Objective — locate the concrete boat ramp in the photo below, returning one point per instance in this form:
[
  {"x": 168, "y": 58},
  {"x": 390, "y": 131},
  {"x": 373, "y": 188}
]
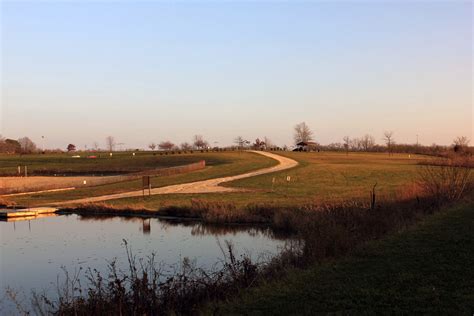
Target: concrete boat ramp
[{"x": 9, "y": 214}]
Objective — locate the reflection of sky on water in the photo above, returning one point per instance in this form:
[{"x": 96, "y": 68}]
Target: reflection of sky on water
[{"x": 32, "y": 252}]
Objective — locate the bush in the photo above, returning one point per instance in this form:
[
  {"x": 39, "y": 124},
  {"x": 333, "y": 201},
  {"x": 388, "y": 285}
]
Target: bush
[{"x": 446, "y": 180}]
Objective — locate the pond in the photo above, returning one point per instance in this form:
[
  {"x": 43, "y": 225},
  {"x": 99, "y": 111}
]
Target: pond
[{"x": 33, "y": 251}]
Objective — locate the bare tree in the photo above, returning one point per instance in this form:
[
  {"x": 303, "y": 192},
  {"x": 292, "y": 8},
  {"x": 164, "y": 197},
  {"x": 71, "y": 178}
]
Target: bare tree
[
  {"x": 27, "y": 145},
  {"x": 152, "y": 146},
  {"x": 199, "y": 142},
  {"x": 356, "y": 144},
  {"x": 388, "y": 138},
  {"x": 240, "y": 142},
  {"x": 302, "y": 133},
  {"x": 460, "y": 143},
  {"x": 259, "y": 144},
  {"x": 166, "y": 145},
  {"x": 367, "y": 141},
  {"x": 347, "y": 142},
  {"x": 110, "y": 142},
  {"x": 186, "y": 146}
]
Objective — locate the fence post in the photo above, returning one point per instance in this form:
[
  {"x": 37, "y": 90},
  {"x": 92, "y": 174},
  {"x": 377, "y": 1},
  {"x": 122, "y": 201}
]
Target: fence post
[{"x": 372, "y": 200}]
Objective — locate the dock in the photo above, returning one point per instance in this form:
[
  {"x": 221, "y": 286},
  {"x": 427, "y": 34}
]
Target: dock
[{"x": 23, "y": 212}]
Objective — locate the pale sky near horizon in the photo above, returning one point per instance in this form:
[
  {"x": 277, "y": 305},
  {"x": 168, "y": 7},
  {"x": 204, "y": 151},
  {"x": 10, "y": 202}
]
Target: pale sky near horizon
[{"x": 76, "y": 72}]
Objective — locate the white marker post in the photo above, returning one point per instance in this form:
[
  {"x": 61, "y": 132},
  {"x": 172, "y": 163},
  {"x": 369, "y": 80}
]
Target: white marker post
[{"x": 288, "y": 179}]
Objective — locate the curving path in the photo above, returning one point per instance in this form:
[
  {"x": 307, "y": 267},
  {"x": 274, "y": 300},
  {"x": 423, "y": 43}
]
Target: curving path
[{"x": 204, "y": 186}]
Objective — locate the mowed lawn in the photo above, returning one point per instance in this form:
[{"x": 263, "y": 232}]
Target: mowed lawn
[
  {"x": 428, "y": 269},
  {"x": 219, "y": 164},
  {"x": 320, "y": 177}
]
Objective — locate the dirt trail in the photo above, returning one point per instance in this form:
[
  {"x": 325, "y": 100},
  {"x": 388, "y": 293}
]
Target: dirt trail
[{"x": 205, "y": 186}]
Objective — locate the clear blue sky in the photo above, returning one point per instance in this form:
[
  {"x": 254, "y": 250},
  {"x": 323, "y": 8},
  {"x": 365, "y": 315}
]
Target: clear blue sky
[{"x": 152, "y": 71}]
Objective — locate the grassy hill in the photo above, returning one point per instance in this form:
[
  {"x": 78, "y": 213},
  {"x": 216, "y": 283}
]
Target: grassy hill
[{"x": 428, "y": 269}]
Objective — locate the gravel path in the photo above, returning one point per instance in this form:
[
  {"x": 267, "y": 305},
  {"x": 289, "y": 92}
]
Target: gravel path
[{"x": 205, "y": 186}]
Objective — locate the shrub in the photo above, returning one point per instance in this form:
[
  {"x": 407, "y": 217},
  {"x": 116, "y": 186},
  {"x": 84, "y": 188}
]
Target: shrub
[{"x": 446, "y": 180}]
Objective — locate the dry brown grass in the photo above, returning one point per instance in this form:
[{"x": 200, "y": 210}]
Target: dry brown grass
[{"x": 5, "y": 202}]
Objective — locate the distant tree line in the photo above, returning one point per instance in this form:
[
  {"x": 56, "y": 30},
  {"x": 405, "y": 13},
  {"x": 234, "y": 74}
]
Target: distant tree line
[{"x": 302, "y": 133}]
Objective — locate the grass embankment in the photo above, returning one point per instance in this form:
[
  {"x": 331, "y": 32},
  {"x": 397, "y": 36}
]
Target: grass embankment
[
  {"x": 217, "y": 165},
  {"x": 320, "y": 178},
  {"x": 428, "y": 269},
  {"x": 380, "y": 277},
  {"x": 104, "y": 164}
]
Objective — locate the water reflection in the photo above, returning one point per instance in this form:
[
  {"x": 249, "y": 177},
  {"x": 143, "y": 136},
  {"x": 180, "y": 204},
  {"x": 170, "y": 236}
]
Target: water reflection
[
  {"x": 33, "y": 250},
  {"x": 146, "y": 226},
  {"x": 198, "y": 228},
  {"x": 26, "y": 218}
]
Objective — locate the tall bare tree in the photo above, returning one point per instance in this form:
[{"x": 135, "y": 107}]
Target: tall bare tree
[
  {"x": 460, "y": 143},
  {"x": 367, "y": 141},
  {"x": 186, "y": 146},
  {"x": 199, "y": 142},
  {"x": 302, "y": 133},
  {"x": 110, "y": 142},
  {"x": 240, "y": 142},
  {"x": 347, "y": 142},
  {"x": 27, "y": 145},
  {"x": 152, "y": 146},
  {"x": 388, "y": 138},
  {"x": 259, "y": 144}
]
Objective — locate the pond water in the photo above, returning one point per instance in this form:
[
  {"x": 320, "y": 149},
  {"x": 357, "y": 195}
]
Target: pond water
[{"x": 33, "y": 251}]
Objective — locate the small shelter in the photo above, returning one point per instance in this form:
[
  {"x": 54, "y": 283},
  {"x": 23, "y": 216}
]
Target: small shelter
[{"x": 307, "y": 146}]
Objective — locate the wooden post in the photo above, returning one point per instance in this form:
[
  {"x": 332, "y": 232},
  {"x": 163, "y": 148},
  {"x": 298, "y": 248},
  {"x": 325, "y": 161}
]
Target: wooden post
[
  {"x": 146, "y": 183},
  {"x": 372, "y": 198},
  {"x": 19, "y": 171}
]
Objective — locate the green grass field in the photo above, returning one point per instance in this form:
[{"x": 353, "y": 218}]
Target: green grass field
[
  {"x": 118, "y": 163},
  {"x": 320, "y": 177},
  {"x": 425, "y": 270},
  {"x": 217, "y": 165}
]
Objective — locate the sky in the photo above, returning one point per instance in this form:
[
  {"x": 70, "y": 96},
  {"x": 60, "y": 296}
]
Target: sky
[{"x": 77, "y": 72}]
